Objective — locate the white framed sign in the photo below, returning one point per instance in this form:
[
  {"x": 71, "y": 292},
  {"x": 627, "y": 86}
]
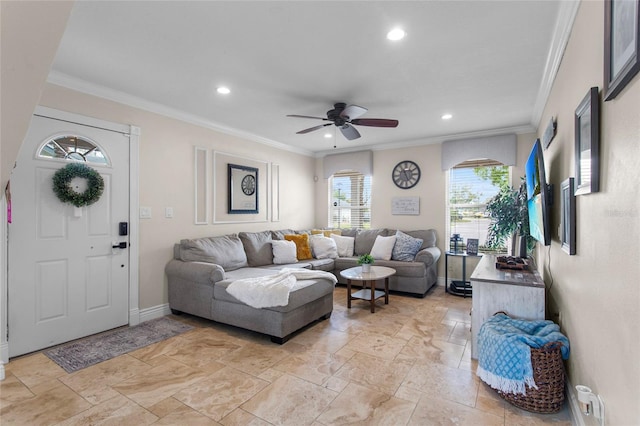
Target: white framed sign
[{"x": 405, "y": 206}]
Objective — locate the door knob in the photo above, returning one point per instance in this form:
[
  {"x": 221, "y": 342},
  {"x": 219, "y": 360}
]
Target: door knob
[{"x": 122, "y": 245}]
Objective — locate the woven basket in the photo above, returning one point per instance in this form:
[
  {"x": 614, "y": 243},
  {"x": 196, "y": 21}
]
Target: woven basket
[{"x": 548, "y": 374}]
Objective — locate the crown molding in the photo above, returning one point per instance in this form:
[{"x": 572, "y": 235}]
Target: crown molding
[
  {"x": 561, "y": 33},
  {"x": 83, "y": 86},
  {"x": 519, "y": 130}
]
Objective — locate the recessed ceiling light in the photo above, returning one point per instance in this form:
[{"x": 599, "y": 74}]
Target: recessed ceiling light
[
  {"x": 223, "y": 90},
  {"x": 396, "y": 34},
  {"x": 328, "y": 135},
  {"x": 447, "y": 116}
]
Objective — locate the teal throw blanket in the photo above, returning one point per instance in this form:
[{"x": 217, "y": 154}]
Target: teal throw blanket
[{"x": 504, "y": 351}]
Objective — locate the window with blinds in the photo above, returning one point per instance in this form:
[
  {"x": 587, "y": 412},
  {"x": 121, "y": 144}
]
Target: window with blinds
[
  {"x": 471, "y": 185},
  {"x": 350, "y": 200}
]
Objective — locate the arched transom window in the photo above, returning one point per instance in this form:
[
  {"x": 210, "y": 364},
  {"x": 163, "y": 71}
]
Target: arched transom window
[{"x": 73, "y": 148}]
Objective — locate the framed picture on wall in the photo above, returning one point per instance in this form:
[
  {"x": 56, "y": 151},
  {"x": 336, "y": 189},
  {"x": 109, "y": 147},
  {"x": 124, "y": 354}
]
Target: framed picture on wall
[
  {"x": 472, "y": 246},
  {"x": 243, "y": 189},
  {"x": 568, "y": 216},
  {"x": 621, "y": 44},
  {"x": 587, "y": 149}
]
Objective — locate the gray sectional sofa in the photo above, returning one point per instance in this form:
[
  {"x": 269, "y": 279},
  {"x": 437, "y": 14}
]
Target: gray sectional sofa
[{"x": 203, "y": 268}]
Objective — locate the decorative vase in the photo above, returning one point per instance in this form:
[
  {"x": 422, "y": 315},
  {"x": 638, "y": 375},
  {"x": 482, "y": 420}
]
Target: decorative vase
[{"x": 366, "y": 267}]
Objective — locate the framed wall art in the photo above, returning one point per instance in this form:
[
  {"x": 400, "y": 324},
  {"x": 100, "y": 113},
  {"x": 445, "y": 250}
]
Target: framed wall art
[
  {"x": 243, "y": 189},
  {"x": 587, "y": 149},
  {"x": 621, "y": 45},
  {"x": 472, "y": 246},
  {"x": 568, "y": 216}
]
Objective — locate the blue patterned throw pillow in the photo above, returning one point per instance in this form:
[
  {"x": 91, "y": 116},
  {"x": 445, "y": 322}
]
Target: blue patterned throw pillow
[{"x": 406, "y": 247}]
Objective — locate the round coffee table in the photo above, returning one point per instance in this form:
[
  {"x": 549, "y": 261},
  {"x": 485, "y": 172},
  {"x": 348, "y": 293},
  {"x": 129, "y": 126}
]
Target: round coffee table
[{"x": 368, "y": 278}]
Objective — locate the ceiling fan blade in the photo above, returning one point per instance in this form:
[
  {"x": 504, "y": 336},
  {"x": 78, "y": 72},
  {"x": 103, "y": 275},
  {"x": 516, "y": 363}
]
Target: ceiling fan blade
[
  {"x": 307, "y": 116},
  {"x": 349, "y": 132},
  {"x": 375, "y": 122},
  {"x": 353, "y": 111},
  {"x": 311, "y": 129}
]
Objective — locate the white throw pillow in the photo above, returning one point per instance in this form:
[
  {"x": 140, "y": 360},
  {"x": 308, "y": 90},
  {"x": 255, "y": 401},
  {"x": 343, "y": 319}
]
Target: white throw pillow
[
  {"x": 284, "y": 252},
  {"x": 344, "y": 244},
  {"x": 323, "y": 247},
  {"x": 383, "y": 247}
]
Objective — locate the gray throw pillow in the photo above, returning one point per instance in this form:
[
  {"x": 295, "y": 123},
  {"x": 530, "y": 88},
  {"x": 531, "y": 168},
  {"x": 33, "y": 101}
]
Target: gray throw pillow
[
  {"x": 428, "y": 237},
  {"x": 406, "y": 247},
  {"x": 226, "y": 251},
  {"x": 257, "y": 246}
]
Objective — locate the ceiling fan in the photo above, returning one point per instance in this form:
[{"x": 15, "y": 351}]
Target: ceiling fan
[{"x": 345, "y": 117}]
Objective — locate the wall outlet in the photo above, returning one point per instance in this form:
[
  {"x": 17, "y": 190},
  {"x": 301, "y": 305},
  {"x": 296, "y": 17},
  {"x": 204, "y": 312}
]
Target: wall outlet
[{"x": 168, "y": 212}]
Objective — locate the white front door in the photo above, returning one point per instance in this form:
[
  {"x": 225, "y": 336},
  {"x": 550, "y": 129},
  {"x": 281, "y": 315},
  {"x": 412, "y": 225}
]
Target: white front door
[{"x": 66, "y": 280}]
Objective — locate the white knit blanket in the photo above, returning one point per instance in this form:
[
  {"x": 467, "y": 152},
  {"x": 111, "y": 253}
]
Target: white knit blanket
[{"x": 273, "y": 290}]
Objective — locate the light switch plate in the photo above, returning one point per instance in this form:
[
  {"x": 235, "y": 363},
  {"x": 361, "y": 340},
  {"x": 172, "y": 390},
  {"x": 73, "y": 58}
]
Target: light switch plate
[
  {"x": 168, "y": 212},
  {"x": 145, "y": 212}
]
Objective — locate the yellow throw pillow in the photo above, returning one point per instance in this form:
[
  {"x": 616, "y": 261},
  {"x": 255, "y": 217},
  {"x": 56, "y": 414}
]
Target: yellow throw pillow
[
  {"x": 303, "y": 249},
  {"x": 326, "y": 232}
]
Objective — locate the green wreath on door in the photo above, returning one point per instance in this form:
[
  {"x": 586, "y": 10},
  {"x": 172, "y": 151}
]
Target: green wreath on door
[{"x": 62, "y": 184}]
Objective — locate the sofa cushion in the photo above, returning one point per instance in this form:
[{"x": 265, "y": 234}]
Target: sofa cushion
[
  {"x": 257, "y": 246},
  {"x": 428, "y": 237},
  {"x": 344, "y": 245},
  {"x": 406, "y": 247},
  {"x": 383, "y": 247},
  {"x": 365, "y": 239},
  {"x": 226, "y": 251},
  {"x": 303, "y": 249},
  {"x": 349, "y": 232},
  {"x": 322, "y": 264},
  {"x": 323, "y": 247},
  {"x": 318, "y": 288},
  {"x": 284, "y": 252},
  {"x": 279, "y": 234}
]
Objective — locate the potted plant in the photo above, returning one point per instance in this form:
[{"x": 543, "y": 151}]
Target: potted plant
[
  {"x": 509, "y": 217},
  {"x": 366, "y": 260}
]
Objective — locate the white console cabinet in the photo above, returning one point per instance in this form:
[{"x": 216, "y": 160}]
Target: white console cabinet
[{"x": 520, "y": 294}]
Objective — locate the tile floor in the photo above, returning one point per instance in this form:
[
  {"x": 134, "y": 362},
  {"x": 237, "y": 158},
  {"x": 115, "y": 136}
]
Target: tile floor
[{"x": 407, "y": 364}]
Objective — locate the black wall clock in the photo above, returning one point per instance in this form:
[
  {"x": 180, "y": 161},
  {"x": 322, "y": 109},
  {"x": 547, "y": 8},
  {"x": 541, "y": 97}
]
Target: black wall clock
[
  {"x": 406, "y": 174},
  {"x": 249, "y": 184}
]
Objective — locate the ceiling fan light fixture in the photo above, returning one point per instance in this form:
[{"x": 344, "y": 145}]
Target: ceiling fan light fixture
[{"x": 396, "y": 34}]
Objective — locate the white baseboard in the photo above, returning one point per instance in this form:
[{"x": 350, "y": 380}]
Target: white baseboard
[
  {"x": 4, "y": 352},
  {"x": 154, "y": 312},
  {"x": 440, "y": 281},
  {"x": 4, "y": 358}
]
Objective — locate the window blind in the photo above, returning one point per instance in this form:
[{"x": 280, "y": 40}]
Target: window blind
[
  {"x": 471, "y": 185},
  {"x": 350, "y": 200}
]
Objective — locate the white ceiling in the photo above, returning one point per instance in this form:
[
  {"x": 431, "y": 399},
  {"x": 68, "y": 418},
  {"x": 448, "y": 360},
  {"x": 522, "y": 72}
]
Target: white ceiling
[{"x": 486, "y": 62}]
